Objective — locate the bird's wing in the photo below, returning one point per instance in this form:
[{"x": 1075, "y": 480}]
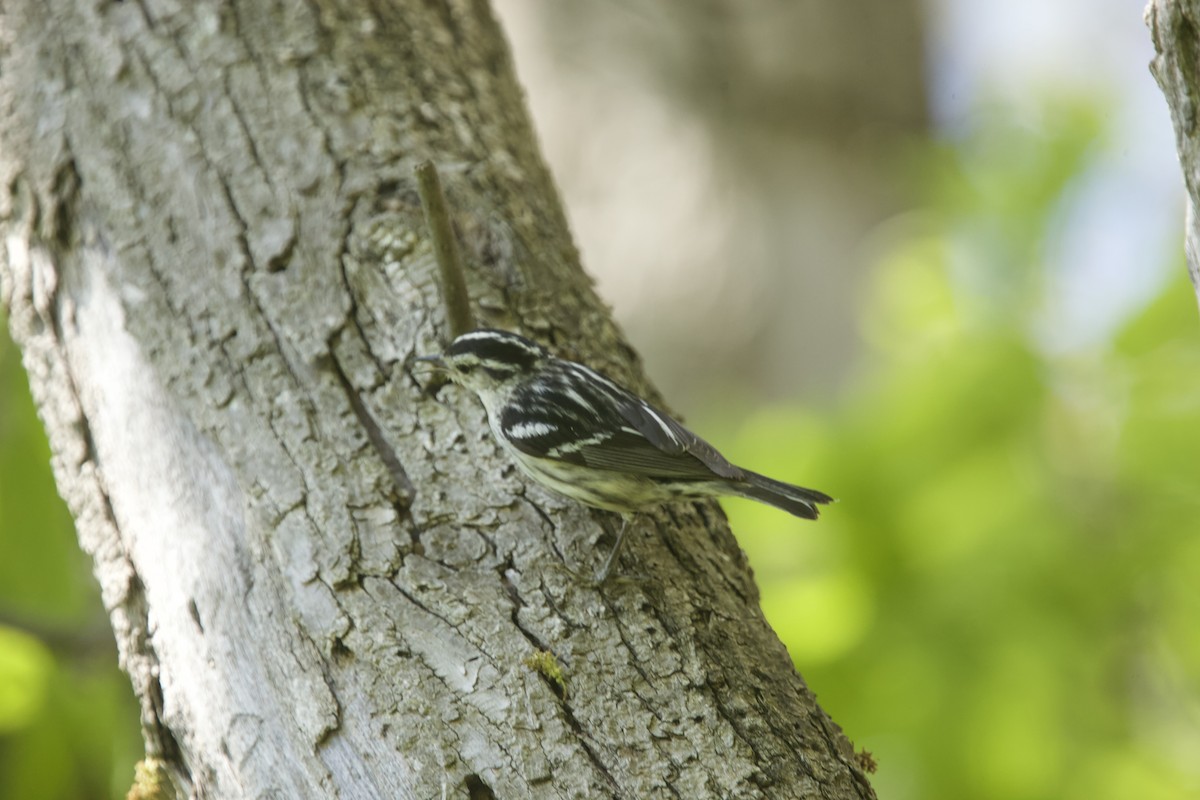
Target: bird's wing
[{"x": 587, "y": 419}]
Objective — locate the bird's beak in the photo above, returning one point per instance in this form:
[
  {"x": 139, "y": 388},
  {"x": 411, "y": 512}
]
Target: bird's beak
[{"x": 434, "y": 361}]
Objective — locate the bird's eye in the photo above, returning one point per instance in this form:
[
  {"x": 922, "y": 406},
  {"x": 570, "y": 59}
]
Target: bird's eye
[{"x": 465, "y": 369}]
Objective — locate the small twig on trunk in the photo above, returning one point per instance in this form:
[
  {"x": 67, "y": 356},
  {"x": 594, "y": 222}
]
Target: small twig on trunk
[{"x": 437, "y": 217}]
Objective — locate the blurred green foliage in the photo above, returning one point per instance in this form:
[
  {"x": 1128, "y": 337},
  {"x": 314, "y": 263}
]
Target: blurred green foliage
[
  {"x": 68, "y": 721},
  {"x": 1003, "y": 605},
  {"x": 1006, "y": 601}
]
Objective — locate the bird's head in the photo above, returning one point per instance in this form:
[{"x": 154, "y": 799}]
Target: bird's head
[{"x": 489, "y": 362}]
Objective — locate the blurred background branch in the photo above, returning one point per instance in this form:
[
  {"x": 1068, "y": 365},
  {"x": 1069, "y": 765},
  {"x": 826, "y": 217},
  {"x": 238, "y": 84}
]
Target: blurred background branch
[{"x": 1173, "y": 27}]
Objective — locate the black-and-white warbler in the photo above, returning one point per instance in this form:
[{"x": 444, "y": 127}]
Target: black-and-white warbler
[{"x": 575, "y": 431}]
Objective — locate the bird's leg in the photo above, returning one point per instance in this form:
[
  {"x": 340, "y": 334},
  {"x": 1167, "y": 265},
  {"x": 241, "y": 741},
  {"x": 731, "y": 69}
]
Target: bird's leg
[{"x": 602, "y": 575}]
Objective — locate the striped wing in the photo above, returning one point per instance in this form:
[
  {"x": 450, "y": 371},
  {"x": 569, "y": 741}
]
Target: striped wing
[{"x": 580, "y": 417}]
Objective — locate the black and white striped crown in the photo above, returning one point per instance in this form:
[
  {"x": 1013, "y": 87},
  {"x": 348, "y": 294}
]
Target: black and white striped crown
[{"x": 498, "y": 348}]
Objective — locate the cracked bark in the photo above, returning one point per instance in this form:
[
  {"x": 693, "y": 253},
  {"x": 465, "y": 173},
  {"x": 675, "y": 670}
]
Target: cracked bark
[
  {"x": 323, "y": 580},
  {"x": 1175, "y": 30}
]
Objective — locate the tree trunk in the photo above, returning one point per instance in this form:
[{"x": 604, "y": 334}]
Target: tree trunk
[
  {"x": 323, "y": 580},
  {"x": 1175, "y": 28}
]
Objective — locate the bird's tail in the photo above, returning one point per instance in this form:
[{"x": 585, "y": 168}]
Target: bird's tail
[{"x": 793, "y": 499}]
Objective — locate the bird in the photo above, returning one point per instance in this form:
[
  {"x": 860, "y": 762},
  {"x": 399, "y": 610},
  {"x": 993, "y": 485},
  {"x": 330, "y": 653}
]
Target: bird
[{"x": 574, "y": 431}]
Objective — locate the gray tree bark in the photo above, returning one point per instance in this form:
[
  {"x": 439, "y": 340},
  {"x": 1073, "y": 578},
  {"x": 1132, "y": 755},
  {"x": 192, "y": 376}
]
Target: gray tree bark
[
  {"x": 323, "y": 580},
  {"x": 1175, "y": 29}
]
